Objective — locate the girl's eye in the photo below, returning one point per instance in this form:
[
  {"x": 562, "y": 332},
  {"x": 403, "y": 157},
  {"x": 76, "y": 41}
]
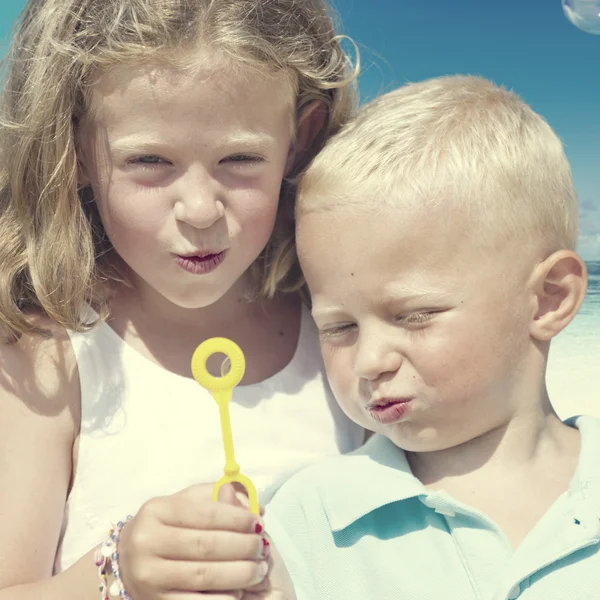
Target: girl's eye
[
  {"x": 149, "y": 160},
  {"x": 240, "y": 158}
]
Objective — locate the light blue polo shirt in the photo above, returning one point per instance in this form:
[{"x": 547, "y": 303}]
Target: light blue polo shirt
[{"x": 361, "y": 526}]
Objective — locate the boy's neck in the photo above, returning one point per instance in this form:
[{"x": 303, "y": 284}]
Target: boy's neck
[
  {"x": 513, "y": 475},
  {"x": 529, "y": 441}
]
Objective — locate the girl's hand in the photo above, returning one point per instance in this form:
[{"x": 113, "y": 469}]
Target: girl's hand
[
  {"x": 276, "y": 586},
  {"x": 180, "y": 545}
]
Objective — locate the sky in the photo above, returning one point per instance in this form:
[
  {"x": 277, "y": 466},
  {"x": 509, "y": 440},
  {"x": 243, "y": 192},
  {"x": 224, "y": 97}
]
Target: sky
[{"x": 526, "y": 45}]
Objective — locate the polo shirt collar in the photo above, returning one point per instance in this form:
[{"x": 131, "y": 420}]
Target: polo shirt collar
[
  {"x": 376, "y": 474},
  {"x": 586, "y": 482}
]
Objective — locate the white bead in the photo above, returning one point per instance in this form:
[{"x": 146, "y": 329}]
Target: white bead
[{"x": 115, "y": 588}]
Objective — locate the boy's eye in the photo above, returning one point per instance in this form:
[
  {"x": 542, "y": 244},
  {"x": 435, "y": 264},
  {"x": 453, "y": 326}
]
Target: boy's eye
[
  {"x": 336, "y": 330},
  {"x": 415, "y": 318}
]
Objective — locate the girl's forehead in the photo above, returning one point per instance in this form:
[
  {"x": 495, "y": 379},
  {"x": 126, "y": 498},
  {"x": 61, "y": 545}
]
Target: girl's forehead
[
  {"x": 178, "y": 104},
  {"x": 173, "y": 74}
]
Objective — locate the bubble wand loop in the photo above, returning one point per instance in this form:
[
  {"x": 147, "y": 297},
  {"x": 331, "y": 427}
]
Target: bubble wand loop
[{"x": 221, "y": 388}]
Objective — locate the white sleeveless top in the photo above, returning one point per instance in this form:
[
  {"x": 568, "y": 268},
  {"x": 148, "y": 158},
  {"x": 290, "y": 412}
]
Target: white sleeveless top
[{"x": 147, "y": 432}]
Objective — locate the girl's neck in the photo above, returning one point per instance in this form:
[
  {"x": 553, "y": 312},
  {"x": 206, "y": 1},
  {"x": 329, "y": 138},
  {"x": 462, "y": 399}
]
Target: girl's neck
[
  {"x": 141, "y": 302},
  {"x": 266, "y": 330}
]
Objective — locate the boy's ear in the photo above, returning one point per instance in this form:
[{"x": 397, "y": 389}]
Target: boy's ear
[
  {"x": 560, "y": 283},
  {"x": 310, "y": 123}
]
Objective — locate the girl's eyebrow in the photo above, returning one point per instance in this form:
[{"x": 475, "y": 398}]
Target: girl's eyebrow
[
  {"x": 250, "y": 138},
  {"x": 257, "y": 141},
  {"x": 129, "y": 144}
]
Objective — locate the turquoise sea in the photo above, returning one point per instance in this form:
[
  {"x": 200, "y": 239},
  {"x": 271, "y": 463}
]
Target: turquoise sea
[{"x": 574, "y": 366}]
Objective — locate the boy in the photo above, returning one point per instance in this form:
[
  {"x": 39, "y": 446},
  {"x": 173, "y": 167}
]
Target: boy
[{"x": 436, "y": 234}]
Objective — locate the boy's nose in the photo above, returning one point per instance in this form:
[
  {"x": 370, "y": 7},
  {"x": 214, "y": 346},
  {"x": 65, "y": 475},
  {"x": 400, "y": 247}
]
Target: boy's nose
[{"x": 375, "y": 358}]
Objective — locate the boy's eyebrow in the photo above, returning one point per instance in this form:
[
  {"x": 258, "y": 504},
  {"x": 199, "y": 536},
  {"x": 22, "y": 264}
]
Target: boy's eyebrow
[
  {"x": 404, "y": 294},
  {"x": 393, "y": 298}
]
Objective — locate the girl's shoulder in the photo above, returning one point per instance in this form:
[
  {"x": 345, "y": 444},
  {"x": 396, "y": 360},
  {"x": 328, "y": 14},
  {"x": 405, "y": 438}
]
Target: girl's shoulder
[
  {"x": 40, "y": 373},
  {"x": 39, "y": 423}
]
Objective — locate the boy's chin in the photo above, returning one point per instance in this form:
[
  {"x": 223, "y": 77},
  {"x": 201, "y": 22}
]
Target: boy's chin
[{"x": 420, "y": 442}]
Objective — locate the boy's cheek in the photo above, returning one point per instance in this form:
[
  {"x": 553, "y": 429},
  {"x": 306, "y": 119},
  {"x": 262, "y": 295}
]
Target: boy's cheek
[{"x": 339, "y": 371}]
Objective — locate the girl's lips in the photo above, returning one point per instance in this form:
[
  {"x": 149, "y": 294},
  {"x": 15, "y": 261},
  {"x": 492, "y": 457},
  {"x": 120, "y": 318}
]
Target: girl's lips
[
  {"x": 389, "y": 411},
  {"x": 200, "y": 265}
]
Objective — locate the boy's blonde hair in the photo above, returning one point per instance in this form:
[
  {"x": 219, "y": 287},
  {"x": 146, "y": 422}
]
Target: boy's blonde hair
[
  {"x": 460, "y": 143},
  {"x": 54, "y": 255}
]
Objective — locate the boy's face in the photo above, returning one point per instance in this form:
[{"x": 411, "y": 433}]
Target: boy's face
[{"x": 425, "y": 338}]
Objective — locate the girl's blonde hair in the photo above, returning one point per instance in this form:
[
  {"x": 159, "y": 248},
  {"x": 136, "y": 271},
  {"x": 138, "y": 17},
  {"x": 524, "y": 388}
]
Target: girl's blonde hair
[{"x": 54, "y": 254}]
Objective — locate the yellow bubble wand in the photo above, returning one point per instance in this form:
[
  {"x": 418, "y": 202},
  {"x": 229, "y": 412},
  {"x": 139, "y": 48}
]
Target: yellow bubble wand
[{"x": 221, "y": 388}]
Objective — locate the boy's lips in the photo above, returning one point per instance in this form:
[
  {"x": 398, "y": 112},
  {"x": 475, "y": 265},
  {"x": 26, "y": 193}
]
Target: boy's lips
[{"x": 389, "y": 410}]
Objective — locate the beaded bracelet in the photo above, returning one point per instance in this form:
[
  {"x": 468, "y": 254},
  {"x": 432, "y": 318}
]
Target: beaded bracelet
[
  {"x": 107, "y": 555},
  {"x": 102, "y": 563}
]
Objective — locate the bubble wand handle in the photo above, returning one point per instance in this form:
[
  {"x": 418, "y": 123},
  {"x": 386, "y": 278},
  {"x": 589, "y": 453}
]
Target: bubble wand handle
[
  {"x": 222, "y": 399},
  {"x": 221, "y": 388}
]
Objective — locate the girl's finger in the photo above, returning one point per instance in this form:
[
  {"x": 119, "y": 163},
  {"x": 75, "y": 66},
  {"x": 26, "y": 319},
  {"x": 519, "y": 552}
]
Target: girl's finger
[
  {"x": 179, "y": 511},
  {"x": 192, "y": 576},
  {"x": 208, "y": 595},
  {"x": 206, "y": 545}
]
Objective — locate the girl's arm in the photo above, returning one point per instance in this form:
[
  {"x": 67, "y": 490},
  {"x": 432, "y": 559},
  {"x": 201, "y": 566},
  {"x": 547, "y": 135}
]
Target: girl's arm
[
  {"x": 39, "y": 415},
  {"x": 175, "y": 546}
]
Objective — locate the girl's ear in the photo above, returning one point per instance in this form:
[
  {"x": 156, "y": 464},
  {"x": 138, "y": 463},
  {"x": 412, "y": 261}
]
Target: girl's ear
[
  {"x": 560, "y": 284},
  {"x": 83, "y": 177},
  {"x": 310, "y": 124}
]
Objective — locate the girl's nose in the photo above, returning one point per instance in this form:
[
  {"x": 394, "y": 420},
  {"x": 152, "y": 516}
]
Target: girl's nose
[{"x": 200, "y": 202}]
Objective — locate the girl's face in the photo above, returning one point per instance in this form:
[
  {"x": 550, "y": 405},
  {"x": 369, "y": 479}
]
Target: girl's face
[{"x": 186, "y": 171}]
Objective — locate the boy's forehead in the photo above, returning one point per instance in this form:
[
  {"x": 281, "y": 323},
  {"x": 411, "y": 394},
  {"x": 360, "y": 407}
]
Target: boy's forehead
[{"x": 432, "y": 243}]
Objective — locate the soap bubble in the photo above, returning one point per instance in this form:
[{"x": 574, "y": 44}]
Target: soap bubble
[{"x": 584, "y": 14}]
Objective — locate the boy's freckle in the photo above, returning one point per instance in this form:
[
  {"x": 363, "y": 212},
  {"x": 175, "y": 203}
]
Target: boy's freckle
[
  {"x": 281, "y": 333},
  {"x": 351, "y": 274}
]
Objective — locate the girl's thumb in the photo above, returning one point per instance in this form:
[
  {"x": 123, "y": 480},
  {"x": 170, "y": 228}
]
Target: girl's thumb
[{"x": 228, "y": 495}]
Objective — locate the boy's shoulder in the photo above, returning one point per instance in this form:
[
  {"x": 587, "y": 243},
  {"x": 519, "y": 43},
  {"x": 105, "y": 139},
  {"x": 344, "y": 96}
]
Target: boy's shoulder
[
  {"x": 375, "y": 474},
  {"x": 378, "y": 473}
]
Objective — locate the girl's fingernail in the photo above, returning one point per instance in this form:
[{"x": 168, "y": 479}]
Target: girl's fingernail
[
  {"x": 257, "y": 528},
  {"x": 266, "y": 548}
]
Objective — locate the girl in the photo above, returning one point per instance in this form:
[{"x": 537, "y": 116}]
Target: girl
[{"x": 144, "y": 144}]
